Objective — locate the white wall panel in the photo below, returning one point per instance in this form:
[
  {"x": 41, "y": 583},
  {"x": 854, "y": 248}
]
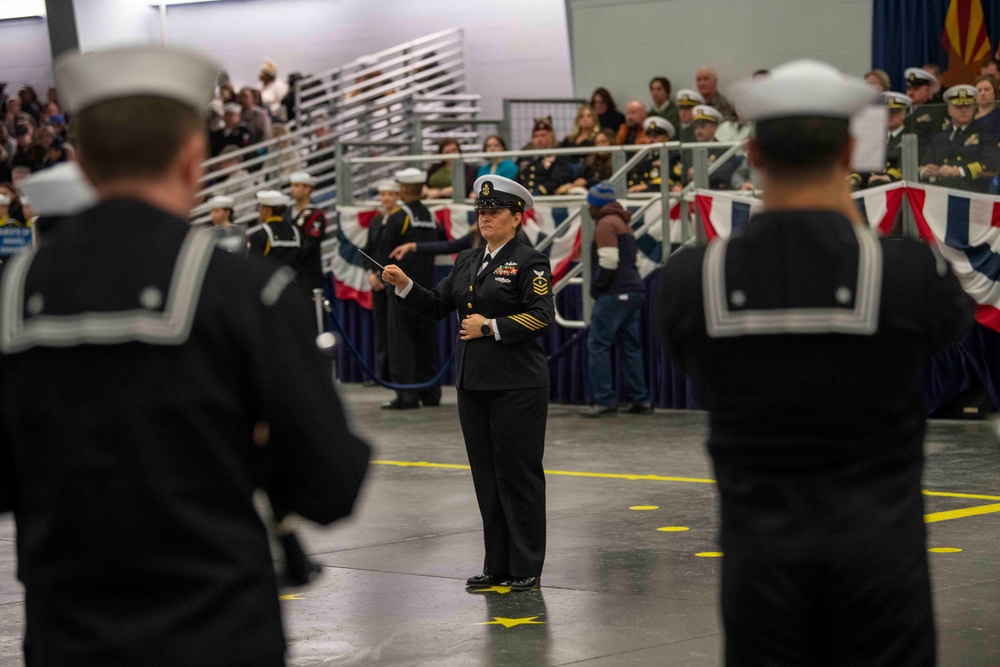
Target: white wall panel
[
  {"x": 25, "y": 57},
  {"x": 621, "y": 44}
]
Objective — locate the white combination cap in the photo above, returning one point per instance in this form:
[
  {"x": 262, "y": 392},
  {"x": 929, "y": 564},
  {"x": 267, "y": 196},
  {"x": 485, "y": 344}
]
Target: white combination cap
[
  {"x": 961, "y": 96},
  {"x": 661, "y": 124},
  {"x": 918, "y": 76},
  {"x": 59, "y": 190},
  {"x": 411, "y": 175},
  {"x": 304, "y": 178},
  {"x": 802, "y": 88},
  {"x": 232, "y": 107},
  {"x": 221, "y": 201},
  {"x": 689, "y": 98},
  {"x": 387, "y": 185},
  {"x": 705, "y": 112},
  {"x": 494, "y": 191},
  {"x": 4, "y": 200},
  {"x": 271, "y": 198},
  {"x": 897, "y": 100},
  {"x": 84, "y": 79}
]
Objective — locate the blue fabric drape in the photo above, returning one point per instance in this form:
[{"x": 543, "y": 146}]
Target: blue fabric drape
[{"x": 907, "y": 33}]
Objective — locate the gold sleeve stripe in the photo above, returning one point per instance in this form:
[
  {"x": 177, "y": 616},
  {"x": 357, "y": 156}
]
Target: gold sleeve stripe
[
  {"x": 895, "y": 173},
  {"x": 532, "y": 318},
  {"x": 975, "y": 169},
  {"x": 527, "y": 324},
  {"x": 406, "y": 224}
]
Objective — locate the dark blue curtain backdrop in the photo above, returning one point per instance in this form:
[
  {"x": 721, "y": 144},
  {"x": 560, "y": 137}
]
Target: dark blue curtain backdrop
[
  {"x": 907, "y": 33},
  {"x": 950, "y": 373}
]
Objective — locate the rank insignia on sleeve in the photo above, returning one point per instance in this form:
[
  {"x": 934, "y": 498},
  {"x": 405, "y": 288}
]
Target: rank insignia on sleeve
[{"x": 540, "y": 285}]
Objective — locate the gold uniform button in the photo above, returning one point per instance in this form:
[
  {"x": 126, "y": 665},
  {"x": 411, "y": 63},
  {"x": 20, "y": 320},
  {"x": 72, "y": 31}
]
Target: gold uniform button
[
  {"x": 470, "y": 288},
  {"x": 469, "y": 305}
]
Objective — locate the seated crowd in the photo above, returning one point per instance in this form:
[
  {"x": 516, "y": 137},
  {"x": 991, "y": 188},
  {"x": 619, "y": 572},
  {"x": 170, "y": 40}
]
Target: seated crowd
[{"x": 958, "y": 132}]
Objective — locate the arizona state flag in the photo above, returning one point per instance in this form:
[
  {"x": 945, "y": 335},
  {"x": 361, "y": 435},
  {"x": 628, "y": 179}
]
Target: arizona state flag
[{"x": 965, "y": 39}]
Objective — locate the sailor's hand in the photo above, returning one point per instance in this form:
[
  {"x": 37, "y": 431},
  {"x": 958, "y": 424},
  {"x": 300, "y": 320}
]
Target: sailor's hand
[
  {"x": 472, "y": 327},
  {"x": 393, "y": 275}
]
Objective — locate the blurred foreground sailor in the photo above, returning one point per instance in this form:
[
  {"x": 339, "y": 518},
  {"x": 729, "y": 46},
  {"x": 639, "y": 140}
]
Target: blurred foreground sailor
[
  {"x": 808, "y": 336},
  {"x": 57, "y": 193},
  {"x": 503, "y": 297},
  {"x": 137, "y": 364}
]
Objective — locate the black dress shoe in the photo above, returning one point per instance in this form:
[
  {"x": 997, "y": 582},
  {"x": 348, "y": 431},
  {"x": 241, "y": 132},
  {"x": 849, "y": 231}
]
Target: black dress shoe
[
  {"x": 396, "y": 404},
  {"x": 431, "y": 402},
  {"x": 600, "y": 411},
  {"x": 525, "y": 584},
  {"x": 484, "y": 580},
  {"x": 299, "y": 569},
  {"x": 639, "y": 409}
]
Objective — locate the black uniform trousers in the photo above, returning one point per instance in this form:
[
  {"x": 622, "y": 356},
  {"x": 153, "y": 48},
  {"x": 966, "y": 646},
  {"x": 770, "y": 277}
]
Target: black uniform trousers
[
  {"x": 380, "y": 314},
  {"x": 413, "y": 358},
  {"x": 505, "y": 439},
  {"x": 850, "y": 608}
]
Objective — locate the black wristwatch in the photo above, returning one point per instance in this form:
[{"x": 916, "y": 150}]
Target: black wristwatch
[{"x": 486, "y": 328}]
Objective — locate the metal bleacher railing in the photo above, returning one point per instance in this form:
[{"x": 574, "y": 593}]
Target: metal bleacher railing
[
  {"x": 580, "y": 273},
  {"x": 366, "y": 107}
]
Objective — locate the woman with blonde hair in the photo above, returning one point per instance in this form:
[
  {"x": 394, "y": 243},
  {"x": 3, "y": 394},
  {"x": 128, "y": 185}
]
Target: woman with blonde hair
[{"x": 585, "y": 128}]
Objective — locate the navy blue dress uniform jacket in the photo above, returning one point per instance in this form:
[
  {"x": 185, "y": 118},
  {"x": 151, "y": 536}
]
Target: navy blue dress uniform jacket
[
  {"x": 807, "y": 337},
  {"x": 135, "y": 359},
  {"x": 515, "y": 289},
  {"x": 973, "y": 149}
]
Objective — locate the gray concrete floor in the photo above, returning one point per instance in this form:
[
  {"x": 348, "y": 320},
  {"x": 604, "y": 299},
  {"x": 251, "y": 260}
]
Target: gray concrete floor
[{"x": 617, "y": 588}]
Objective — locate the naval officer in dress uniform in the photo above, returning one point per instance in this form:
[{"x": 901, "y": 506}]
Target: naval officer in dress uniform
[
  {"x": 159, "y": 357},
  {"x": 410, "y": 350},
  {"x": 808, "y": 336},
  {"x": 503, "y": 295},
  {"x": 963, "y": 155}
]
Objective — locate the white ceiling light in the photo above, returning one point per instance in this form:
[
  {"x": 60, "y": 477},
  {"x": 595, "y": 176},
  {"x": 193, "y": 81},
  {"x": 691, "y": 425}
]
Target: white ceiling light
[{"x": 20, "y": 9}]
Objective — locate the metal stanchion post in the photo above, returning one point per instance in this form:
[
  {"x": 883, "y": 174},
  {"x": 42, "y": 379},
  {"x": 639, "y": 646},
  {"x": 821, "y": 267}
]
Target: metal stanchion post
[
  {"x": 586, "y": 240},
  {"x": 325, "y": 340},
  {"x": 700, "y": 163},
  {"x": 911, "y": 169},
  {"x": 458, "y": 184},
  {"x": 665, "y": 203}
]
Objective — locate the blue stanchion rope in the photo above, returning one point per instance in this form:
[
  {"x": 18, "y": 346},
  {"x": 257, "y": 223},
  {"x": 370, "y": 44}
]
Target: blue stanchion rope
[{"x": 436, "y": 380}]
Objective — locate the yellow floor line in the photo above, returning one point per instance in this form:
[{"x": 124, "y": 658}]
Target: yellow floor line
[
  {"x": 569, "y": 473},
  {"x": 948, "y": 494},
  {"x": 961, "y": 513}
]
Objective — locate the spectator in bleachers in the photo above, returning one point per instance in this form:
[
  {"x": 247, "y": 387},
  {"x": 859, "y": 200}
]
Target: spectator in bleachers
[
  {"x": 438, "y": 184},
  {"x": 29, "y": 153},
  {"x": 6, "y": 153},
  {"x": 597, "y": 167},
  {"x": 647, "y": 174},
  {"x": 631, "y": 132},
  {"x": 899, "y": 109},
  {"x": 585, "y": 128},
  {"x": 255, "y": 117},
  {"x": 499, "y": 166},
  {"x": 227, "y": 93},
  {"x": 879, "y": 79},
  {"x": 991, "y": 68},
  {"x": 706, "y": 122},
  {"x": 659, "y": 92},
  {"x": 14, "y": 115},
  {"x": 286, "y": 159},
  {"x": 288, "y": 101},
  {"x": 234, "y": 132},
  {"x": 213, "y": 116},
  {"x": 272, "y": 89},
  {"x": 960, "y": 155},
  {"x": 927, "y": 119},
  {"x": 14, "y": 210},
  {"x": 987, "y": 110},
  {"x": 708, "y": 86},
  {"x": 687, "y": 100},
  {"x": 30, "y": 103},
  {"x": 543, "y": 174},
  {"x": 608, "y": 115},
  {"x": 937, "y": 97}
]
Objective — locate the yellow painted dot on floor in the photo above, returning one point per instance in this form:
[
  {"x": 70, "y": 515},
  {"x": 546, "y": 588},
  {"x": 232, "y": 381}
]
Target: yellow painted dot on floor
[
  {"x": 944, "y": 550},
  {"x": 673, "y": 529},
  {"x": 644, "y": 507},
  {"x": 709, "y": 554}
]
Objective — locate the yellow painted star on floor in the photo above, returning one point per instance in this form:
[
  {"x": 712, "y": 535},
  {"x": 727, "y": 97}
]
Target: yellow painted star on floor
[
  {"x": 511, "y": 622},
  {"x": 502, "y": 590},
  {"x": 291, "y": 596}
]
